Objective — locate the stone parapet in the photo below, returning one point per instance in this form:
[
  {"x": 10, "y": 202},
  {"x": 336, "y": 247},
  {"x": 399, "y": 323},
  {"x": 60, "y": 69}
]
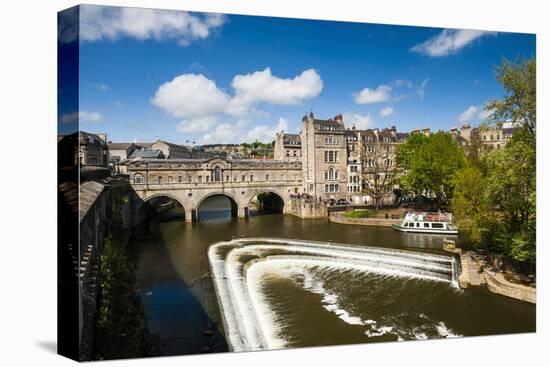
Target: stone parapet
[
  {"x": 338, "y": 217},
  {"x": 496, "y": 283}
]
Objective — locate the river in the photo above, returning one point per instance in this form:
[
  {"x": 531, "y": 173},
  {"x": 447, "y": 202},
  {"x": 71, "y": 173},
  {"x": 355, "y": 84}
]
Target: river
[{"x": 336, "y": 305}]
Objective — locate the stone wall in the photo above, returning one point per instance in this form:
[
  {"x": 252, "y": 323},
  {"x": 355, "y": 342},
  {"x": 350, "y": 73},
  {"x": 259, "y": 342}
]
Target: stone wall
[
  {"x": 339, "y": 217},
  {"x": 304, "y": 209},
  {"x": 497, "y": 284}
]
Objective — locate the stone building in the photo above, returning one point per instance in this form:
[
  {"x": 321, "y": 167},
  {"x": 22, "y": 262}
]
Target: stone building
[
  {"x": 287, "y": 147},
  {"x": 121, "y": 151},
  {"x": 488, "y": 137},
  {"x": 324, "y": 157},
  {"x": 171, "y": 150},
  {"x": 92, "y": 149},
  {"x": 377, "y": 169}
]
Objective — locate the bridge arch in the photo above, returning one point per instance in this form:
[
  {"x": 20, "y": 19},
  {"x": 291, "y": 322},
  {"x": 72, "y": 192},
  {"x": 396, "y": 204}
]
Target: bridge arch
[
  {"x": 233, "y": 202},
  {"x": 270, "y": 200},
  {"x": 147, "y": 207},
  {"x": 160, "y": 195}
]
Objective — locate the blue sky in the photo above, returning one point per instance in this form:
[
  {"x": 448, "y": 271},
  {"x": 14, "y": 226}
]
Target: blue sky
[{"x": 147, "y": 75}]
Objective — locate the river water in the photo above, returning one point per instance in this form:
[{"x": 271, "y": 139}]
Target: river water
[{"x": 306, "y": 304}]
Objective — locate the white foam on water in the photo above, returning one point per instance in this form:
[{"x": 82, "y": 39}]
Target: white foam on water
[
  {"x": 251, "y": 324},
  {"x": 446, "y": 332}
]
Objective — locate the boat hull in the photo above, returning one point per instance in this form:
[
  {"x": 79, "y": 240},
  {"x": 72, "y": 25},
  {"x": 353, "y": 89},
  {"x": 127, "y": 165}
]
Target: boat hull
[{"x": 400, "y": 228}]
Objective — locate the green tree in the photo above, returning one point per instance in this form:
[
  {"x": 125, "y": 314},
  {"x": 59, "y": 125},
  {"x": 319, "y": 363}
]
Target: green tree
[
  {"x": 519, "y": 105},
  {"x": 470, "y": 203},
  {"x": 495, "y": 195},
  {"x": 429, "y": 164}
]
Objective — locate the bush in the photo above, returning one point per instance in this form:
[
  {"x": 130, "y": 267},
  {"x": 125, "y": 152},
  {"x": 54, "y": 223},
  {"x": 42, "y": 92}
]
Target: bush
[
  {"x": 359, "y": 214},
  {"x": 120, "y": 321}
]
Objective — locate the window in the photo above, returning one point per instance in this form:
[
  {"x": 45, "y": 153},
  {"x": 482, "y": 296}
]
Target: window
[
  {"x": 169, "y": 179},
  {"x": 331, "y": 188},
  {"x": 437, "y": 225},
  {"x": 288, "y": 153},
  {"x": 426, "y": 225},
  {"x": 180, "y": 179},
  {"x": 207, "y": 178},
  {"x": 217, "y": 175},
  {"x": 251, "y": 177},
  {"x": 227, "y": 178},
  {"x": 331, "y": 156},
  {"x": 159, "y": 180},
  {"x": 417, "y": 224},
  {"x": 243, "y": 178},
  {"x": 138, "y": 178},
  {"x": 267, "y": 177},
  {"x": 294, "y": 153},
  {"x": 200, "y": 179}
]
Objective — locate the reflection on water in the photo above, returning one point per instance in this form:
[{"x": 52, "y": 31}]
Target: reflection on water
[
  {"x": 216, "y": 208},
  {"x": 174, "y": 278}
]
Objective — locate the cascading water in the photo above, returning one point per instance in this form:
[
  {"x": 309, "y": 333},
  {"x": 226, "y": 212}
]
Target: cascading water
[{"x": 238, "y": 267}]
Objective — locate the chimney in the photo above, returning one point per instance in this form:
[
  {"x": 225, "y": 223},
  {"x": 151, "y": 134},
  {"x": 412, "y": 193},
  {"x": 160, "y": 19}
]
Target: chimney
[
  {"x": 339, "y": 118},
  {"x": 466, "y": 131}
]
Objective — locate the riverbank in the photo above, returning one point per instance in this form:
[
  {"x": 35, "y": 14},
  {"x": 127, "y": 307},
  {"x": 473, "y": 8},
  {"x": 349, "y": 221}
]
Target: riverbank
[
  {"x": 341, "y": 218},
  {"x": 476, "y": 272}
]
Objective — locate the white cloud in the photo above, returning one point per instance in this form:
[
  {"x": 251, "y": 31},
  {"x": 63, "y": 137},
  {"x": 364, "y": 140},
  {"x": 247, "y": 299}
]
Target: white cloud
[
  {"x": 421, "y": 90},
  {"x": 201, "y": 104},
  {"x": 475, "y": 112},
  {"x": 387, "y": 111},
  {"x": 262, "y": 86},
  {"x": 359, "y": 121},
  {"x": 381, "y": 94},
  {"x": 200, "y": 124},
  {"x": 82, "y": 116},
  {"x": 225, "y": 133},
  {"x": 485, "y": 114},
  {"x": 449, "y": 41},
  {"x": 102, "y": 87},
  {"x": 403, "y": 83},
  {"x": 468, "y": 114},
  {"x": 191, "y": 96},
  {"x": 265, "y": 133},
  {"x": 111, "y": 23}
]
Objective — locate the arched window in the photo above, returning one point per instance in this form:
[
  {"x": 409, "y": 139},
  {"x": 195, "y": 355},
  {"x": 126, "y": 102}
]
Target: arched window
[
  {"x": 217, "y": 175},
  {"x": 138, "y": 178},
  {"x": 331, "y": 173}
]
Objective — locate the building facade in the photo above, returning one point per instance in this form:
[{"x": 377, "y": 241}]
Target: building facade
[
  {"x": 359, "y": 165},
  {"x": 92, "y": 149},
  {"x": 324, "y": 158},
  {"x": 287, "y": 147}
]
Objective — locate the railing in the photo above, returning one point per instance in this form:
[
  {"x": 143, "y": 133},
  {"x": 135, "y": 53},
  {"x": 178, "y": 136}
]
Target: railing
[{"x": 429, "y": 216}]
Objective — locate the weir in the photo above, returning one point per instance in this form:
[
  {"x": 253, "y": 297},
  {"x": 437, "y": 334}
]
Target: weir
[{"x": 246, "y": 325}]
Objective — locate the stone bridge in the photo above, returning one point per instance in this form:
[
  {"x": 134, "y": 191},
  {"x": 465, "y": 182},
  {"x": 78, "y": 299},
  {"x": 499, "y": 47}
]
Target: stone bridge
[{"x": 190, "y": 181}]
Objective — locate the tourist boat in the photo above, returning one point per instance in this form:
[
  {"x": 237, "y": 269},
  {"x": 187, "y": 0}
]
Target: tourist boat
[{"x": 424, "y": 222}]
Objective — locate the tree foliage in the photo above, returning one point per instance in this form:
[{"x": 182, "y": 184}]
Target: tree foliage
[
  {"x": 519, "y": 105},
  {"x": 495, "y": 194},
  {"x": 430, "y": 163}
]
